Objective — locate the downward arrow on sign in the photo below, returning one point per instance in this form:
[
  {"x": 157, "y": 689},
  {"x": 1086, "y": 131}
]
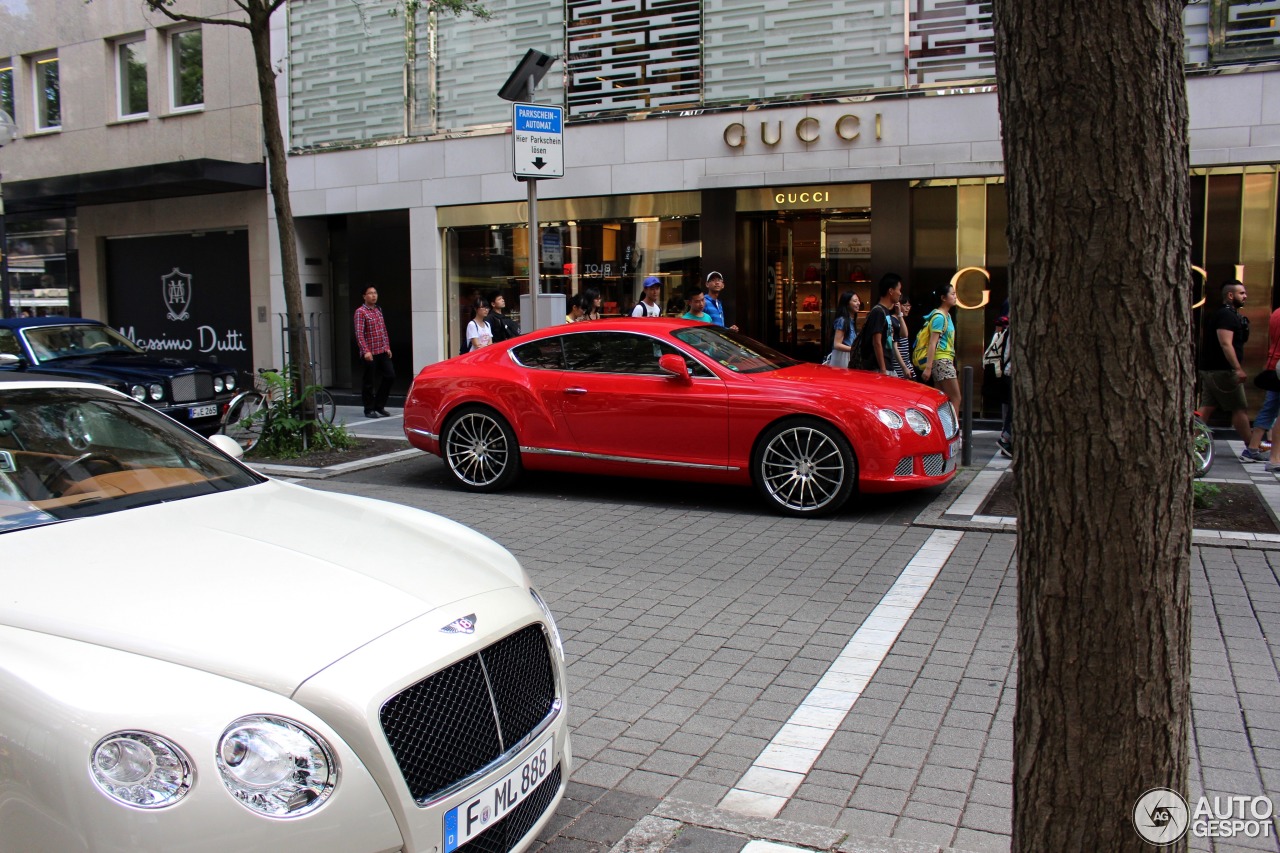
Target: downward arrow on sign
[{"x": 539, "y": 162}]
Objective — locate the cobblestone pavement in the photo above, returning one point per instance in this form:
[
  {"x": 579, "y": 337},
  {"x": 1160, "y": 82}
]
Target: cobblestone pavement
[{"x": 696, "y": 623}]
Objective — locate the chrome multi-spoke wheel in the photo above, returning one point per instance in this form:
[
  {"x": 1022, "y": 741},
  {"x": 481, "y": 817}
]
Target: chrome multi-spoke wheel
[
  {"x": 804, "y": 467},
  {"x": 480, "y": 450}
]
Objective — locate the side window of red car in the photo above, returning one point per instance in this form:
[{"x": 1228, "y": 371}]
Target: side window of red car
[{"x": 545, "y": 354}]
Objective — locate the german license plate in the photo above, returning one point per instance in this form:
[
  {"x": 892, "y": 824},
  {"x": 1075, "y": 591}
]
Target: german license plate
[
  {"x": 203, "y": 411},
  {"x": 466, "y": 820},
  {"x": 955, "y": 449}
]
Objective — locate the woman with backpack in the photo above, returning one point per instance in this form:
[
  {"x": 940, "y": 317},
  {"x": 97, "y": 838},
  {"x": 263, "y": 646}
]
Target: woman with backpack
[
  {"x": 846, "y": 330},
  {"x": 935, "y": 349}
]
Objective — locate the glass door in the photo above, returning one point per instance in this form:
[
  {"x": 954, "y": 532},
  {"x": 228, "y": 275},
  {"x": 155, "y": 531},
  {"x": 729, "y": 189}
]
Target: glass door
[
  {"x": 794, "y": 279},
  {"x": 846, "y": 260}
]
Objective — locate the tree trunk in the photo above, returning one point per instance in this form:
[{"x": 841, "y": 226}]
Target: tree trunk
[
  {"x": 299, "y": 346},
  {"x": 1093, "y": 106}
]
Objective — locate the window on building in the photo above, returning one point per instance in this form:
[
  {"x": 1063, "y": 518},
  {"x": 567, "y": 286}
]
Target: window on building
[
  {"x": 6, "y": 88},
  {"x": 186, "y": 67},
  {"x": 131, "y": 77},
  {"x": 48, "y": 92},
  {"x": 1244, "y": 30}
]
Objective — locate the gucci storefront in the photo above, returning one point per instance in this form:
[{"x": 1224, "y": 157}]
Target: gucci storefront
[{"x": 787, "y": 253}]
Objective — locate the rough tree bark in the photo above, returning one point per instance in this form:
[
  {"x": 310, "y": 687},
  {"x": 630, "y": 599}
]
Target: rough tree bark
[{"x": 1093, "y": 106}]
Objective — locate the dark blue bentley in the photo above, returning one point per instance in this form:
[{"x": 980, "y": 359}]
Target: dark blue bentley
[{"x": 191, "y": 392}]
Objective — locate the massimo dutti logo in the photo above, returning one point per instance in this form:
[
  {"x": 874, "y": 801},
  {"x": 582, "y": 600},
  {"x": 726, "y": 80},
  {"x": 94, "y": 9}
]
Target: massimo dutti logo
[{"x": 177, "y": 294}]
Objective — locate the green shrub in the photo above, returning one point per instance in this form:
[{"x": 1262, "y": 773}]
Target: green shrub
[{"x": 1203, "y": 494}]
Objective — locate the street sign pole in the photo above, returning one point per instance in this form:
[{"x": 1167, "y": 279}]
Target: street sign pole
[{"x": 535, "y": 280}]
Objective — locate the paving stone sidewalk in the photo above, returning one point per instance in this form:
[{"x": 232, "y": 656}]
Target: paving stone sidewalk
[{"x": 696, "y": 623}]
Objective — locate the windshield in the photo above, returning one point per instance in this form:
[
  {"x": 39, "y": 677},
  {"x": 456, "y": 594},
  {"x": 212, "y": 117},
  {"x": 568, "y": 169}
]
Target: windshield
[
  {"x": 733, "y": 350},
  {"x": 73, "y": 452},
  {"x": 48, "y": 343}
]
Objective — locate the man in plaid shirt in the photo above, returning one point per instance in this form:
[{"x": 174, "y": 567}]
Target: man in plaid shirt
[{"x": 375, "y": 349}]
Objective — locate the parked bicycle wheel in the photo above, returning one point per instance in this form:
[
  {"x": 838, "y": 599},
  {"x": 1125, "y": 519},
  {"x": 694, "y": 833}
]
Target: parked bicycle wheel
[
  {"x": 326, "y": 408},
  {"x": 239, "y": 422},
  {"x": 1201, "y": 447}
]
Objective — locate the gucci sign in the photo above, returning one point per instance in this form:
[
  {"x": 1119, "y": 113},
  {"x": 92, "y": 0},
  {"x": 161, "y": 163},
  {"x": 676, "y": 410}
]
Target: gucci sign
[{"x": 808, "y": 130}]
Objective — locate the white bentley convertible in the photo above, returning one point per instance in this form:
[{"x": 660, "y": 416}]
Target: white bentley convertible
[{"x": 194, "y": 657}]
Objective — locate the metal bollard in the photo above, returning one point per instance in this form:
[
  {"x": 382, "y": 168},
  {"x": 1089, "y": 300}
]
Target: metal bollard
[{"x": 966, "y": 417}]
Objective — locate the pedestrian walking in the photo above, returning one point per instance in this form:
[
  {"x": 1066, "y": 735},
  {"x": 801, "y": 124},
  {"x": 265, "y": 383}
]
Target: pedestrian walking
[
  {"x": 876, "y": 339},
  {"x": 996, "y": 382},
  {"x": 714, "y": 307},
  {"x": 591, "y": 304},
  {"x": 901, "y": 338},
  {"x": 648, "y": 306},
  {"x": 697, "y": 304},
  {"x": 479, "y": 330},
  {"x": 846, "y": 330},
  {"x": 577, "y": 309},
  {"x": 1264, "y": 422},
  {"x": 502, "y": 327},
  {"x": 935, "y": 349},
  {"x": 1222, "y": 375},
  {"x": 375, "y": 349}
]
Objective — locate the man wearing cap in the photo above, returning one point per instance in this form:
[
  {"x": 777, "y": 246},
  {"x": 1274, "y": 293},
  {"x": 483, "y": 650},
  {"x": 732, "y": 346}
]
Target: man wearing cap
[
  {"x": 715, "y": 284},
  {"x": 648, "y": 305}
]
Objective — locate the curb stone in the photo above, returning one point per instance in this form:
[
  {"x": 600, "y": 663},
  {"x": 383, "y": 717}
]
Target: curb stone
[{"x": 301, "y": 473}]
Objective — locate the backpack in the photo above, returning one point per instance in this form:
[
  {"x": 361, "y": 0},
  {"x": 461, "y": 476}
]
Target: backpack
[
  {"x": 920, "y": 352},
  {"x": 862, "y": 358},
  {"x": 994, "y": 356}
]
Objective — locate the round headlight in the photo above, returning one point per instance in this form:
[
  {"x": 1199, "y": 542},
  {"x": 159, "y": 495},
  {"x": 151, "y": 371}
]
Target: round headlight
[
  {"x": 230, "y": 382},
  {"x": 917, "y": 421},
  {"x": 276, "y": 767},
  {"x": 141, "y": 769},
  {"x": 156, "y": 391},
  {"x": 217, "y": 384},
  {"x": 890, "y": 418},
  {"x": 139, "y": 393}
]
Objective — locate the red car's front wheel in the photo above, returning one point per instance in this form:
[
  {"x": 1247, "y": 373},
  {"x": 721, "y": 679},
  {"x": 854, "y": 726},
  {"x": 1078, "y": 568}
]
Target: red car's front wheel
[{"x": 804, "y": 467}]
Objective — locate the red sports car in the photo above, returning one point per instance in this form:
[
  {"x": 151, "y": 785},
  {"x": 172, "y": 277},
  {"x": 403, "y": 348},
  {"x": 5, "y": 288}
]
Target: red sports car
[{"x": 679, "y": 400}]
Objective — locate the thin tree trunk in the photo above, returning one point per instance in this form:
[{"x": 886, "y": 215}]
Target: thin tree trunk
[
  {"x": 1093, "y": 106},
  {"x": 299, "y": 345}
]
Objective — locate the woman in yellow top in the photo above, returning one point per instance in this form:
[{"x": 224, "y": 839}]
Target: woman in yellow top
[{"x": 935, "y": 352}]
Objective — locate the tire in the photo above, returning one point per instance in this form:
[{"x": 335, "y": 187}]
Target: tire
[
  {"x": 239, "y": 424},
  {"x": 804, "y": 468},
  {"x": 1201, "y": 447},
  {"x": 480, "y": 450},
  {"x": 325, "y": 406}
]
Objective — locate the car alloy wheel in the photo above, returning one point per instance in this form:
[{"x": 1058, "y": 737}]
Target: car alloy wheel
[
  {"x": 480, "y": 450},
  {"x": 804, "y": 467}
]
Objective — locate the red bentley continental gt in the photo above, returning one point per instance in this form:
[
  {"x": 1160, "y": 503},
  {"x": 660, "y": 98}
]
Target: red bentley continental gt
[{"x": 678, "y": 400}]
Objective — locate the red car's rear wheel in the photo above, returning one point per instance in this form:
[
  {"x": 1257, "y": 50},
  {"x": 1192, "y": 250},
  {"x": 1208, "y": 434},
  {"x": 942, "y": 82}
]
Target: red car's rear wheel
[{"x": 480, "y": 450}]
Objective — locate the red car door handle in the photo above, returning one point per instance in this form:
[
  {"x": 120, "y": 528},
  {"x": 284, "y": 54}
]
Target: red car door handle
[{"x": 575, "y": 390}]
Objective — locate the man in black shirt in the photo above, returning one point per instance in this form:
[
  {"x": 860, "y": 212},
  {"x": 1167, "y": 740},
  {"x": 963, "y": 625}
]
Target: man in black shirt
[{"x": 1222, "y": 375}]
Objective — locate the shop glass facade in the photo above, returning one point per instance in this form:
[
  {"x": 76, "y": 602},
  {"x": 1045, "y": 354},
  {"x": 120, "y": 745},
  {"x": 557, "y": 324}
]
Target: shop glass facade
[
  {"x": 610, "y": 245},
  {"x": 43, "y": 277}
]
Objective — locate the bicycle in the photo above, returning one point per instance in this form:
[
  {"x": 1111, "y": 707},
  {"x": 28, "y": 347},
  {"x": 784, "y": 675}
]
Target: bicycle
[
  {"x": 1201, "y": 446},
  {"x": 242, "y": 421}
]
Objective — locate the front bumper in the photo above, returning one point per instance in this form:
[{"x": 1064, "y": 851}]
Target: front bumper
[
  {"x": 351, "y": 694},
  {"x": 202, "y": 416}
]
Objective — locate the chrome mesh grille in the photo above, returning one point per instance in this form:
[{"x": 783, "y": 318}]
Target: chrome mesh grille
[
  {"x": 950, "y": 424},
  {"x": 454, "y": 723},
  {"x": 506, "y": 833},
  {"x": 190, "y": 387},
  {"x": 934, "y": 464},
  {"x": 906, "y": 467}
]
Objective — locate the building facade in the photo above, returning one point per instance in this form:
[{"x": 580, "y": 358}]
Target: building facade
[
  {"x": 137, "y": 180},
  {"x": 802, "y": 150}
]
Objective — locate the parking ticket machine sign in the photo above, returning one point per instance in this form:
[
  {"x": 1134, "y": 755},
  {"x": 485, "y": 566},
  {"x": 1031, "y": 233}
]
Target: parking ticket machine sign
[{"x": 537, "y": 134}]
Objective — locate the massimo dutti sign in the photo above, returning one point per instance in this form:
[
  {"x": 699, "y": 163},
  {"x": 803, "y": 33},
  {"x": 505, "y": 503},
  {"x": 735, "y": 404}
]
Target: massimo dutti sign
[{"x": 848, "y": 127}]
